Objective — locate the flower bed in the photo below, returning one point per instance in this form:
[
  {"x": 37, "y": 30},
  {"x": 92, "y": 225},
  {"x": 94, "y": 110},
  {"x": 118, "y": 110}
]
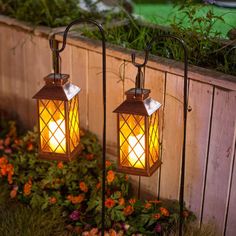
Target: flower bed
[{"x": 75, "y": 187}]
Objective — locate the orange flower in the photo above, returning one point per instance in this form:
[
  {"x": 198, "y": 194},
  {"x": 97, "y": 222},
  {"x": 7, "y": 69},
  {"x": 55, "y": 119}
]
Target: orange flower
[
  {"x": 27, "y": 188},
  {"x": 122, "y": 201},
  {"x": 132, "y": 201},
  {"x": 109, "y": 203},
  {"x": 108, "y": 163},
  {"x": 164, "y": 211},
  {"x": 98, "y": 186},
  {"x": 112, "y": 232},
  {"x": 90, "y": 157},
  {"x": 7, "y": 141},
  {"x": 13, "y": 193},
  {"x": 30, "y": 146},
  {"x": 52, "y": 200},
  {"x": 128, "y": 210},
  {"x": 3, "y": 161},
  {"x": 77, "y": 199},
  {"x": 156, "y": 216},
  {"x": 60, "y": 165},
  {"x": 126, "y": 177},
  {"x": 83, "y": 187},
  {"x": 69, "y": 197},
  {"x": 110, "y": 176},
  {"x": 147, "y": 205}
]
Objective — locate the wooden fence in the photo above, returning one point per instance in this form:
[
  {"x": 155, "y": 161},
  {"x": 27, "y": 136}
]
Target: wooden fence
[{"x": 210, "y": 178}]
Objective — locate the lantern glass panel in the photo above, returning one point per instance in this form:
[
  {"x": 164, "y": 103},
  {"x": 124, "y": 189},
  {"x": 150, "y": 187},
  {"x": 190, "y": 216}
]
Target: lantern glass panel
[
  {"x": 132, "y": 140},
  {"x": 74, "y": 123},
  {"x": 52, "y": 126},
  {"x": 153, "y": 139}
]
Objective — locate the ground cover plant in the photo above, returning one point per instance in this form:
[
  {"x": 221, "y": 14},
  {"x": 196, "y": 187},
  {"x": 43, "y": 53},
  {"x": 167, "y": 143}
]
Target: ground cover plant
[
  {"x": 205, "y": 47},
  {"x": 69, "y": 193}
]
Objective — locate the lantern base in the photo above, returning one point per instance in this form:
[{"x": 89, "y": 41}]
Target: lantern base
[
  {"x": 138, "y": 171},
  {"x": 49, "y": 156}
]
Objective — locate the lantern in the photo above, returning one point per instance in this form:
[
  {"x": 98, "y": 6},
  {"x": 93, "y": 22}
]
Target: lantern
[
  {"x": 138, "y": 142},
  {"x": 58, "y": 118}
]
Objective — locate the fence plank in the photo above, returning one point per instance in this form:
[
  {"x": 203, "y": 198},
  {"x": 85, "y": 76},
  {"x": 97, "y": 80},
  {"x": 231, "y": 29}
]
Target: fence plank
[
  {"x": 6, "y": 68},
  {"x": 220, "y": 158},
  {"x": 95, "y": 96},
  {"x": 79, "y": 76},
  {"x": 231, "y": 222},
  {"x": 198, "y": 125},
  {"x": 35, "y": 69},
  {"x": 172, "y": 137}
]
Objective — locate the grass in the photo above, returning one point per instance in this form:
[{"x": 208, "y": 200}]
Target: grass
[{"x": 22, "y": 220}]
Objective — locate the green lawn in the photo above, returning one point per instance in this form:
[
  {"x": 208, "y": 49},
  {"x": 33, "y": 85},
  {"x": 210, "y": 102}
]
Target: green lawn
[{"x": 163, "y": 14}]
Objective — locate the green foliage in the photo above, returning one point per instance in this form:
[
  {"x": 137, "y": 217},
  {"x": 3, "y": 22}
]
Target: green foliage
[
  {"x": 205, "y": 48},
  {"x": 58, "y": 193},
  {"x": 21, "y": 220}
]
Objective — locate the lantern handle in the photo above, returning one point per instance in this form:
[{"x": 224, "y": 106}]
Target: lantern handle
[
  {"x": 185, "y": 110},
  {"x": 56, "y": 52},
  {"x": 138, "y": 65}
]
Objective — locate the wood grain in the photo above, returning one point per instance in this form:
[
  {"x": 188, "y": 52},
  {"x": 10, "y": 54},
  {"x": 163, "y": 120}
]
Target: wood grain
[
  {"x": 172, "y": 138},
  {"x": 222, "y": 141},
  {"x": 198, "y": 125}
]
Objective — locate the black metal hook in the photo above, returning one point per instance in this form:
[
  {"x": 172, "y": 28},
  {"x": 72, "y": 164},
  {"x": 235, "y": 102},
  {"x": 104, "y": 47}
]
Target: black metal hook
[
  {"x": 138, "y": 65},
  {"x": 57, "y": 52},
  {"x": 185, "y": 111}
]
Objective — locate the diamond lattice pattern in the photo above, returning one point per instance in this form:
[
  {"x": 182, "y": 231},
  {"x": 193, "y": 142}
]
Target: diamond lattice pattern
[
  {"x": 132, "y": 140},
  {"x": 52, "y": 126},
  {"x": 153, "y": 139},
  {"x": 74, "y": 123}
]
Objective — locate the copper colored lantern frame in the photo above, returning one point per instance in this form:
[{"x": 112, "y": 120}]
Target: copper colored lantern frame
[
  {"x": 58, "y": 89},
  {"x": 56, "y": 65},
  {"x": 138, "y": 103}
]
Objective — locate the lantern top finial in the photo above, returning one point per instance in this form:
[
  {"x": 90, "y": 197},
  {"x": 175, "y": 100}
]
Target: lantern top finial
[
  {"x": 138, "y": 102},
  {"x": 57, "y": 87},
  {"x": 56, "y": 79}
]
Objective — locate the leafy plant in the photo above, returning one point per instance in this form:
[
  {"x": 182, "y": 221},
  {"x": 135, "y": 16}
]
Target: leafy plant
[{"x": 73, "y": 190}]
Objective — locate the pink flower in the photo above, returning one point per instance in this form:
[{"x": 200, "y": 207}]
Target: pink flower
[{"x": 74, "y": 215}]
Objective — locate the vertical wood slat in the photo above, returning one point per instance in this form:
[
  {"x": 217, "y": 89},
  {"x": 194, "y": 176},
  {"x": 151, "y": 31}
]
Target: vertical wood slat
[
  {"x": 95, "y": 118},
  {"x": 231, "y": 214},
  {"x": 79, "y": 77},
  {"x": 35, "y": 69},
  {"x": 198, "y": 125},
  {"x": 222, "y": 143},
  {"x": 172, "y": 137},
  {"x": 6, "y": 68}
]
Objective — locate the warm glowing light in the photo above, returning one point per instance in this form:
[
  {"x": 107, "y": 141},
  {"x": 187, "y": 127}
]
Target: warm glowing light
[
  {"x": 136, "y": 151},
  {"x": 57, "y": 140}
]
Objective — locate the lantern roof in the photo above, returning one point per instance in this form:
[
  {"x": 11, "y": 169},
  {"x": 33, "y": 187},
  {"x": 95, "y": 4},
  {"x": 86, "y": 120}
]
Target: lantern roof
[
  {"x": 57, "y": 87},
  {"x": 138, "y": 102}
]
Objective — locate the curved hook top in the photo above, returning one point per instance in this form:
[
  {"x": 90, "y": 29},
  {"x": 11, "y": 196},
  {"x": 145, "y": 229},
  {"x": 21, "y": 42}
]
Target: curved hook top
[
  {"x": 75, "y": 22},
  {"x": 138, "y": 65}
]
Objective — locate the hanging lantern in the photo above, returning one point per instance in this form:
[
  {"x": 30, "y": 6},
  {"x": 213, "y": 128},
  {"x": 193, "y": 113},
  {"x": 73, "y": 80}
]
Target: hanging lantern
[
  {"x": 138, "y": 140},
  {"x": 58, "y": 118}
]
